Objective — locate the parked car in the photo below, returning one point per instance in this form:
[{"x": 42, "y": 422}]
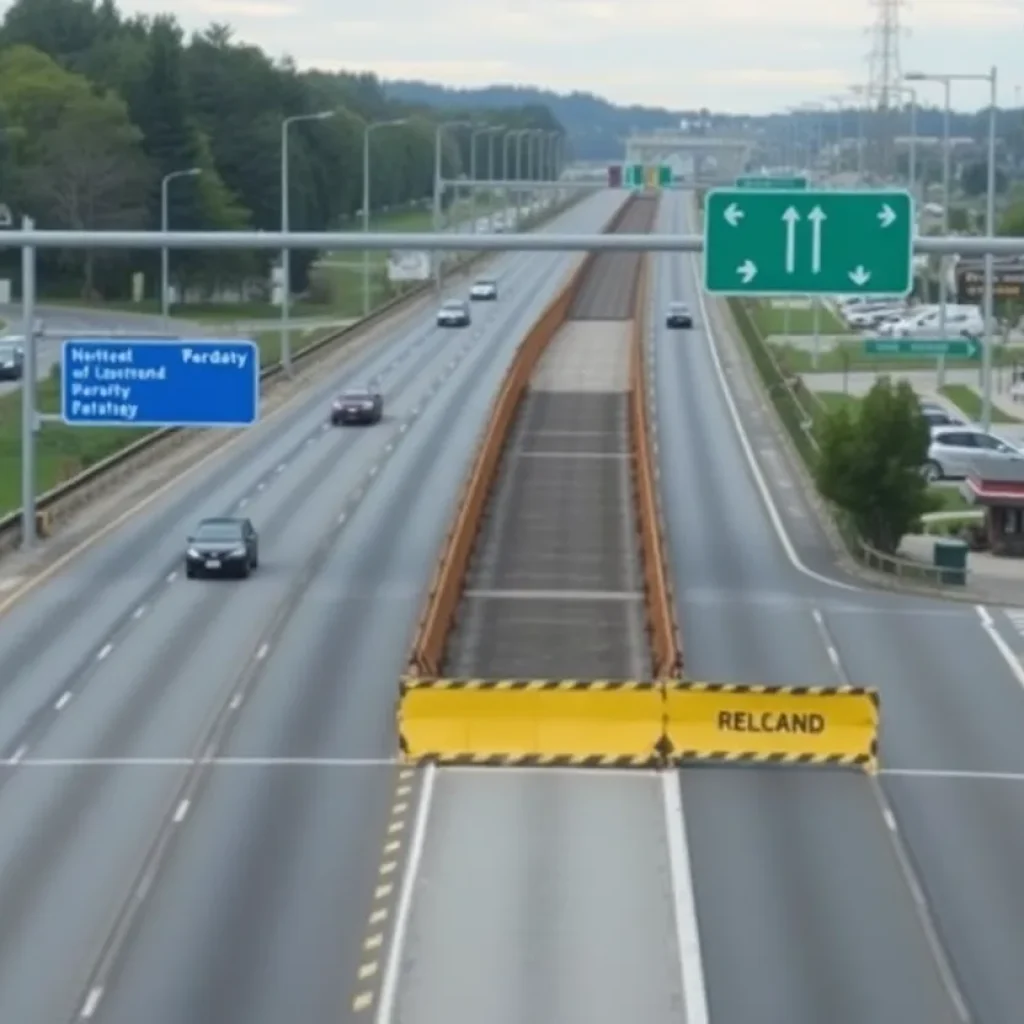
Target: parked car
[{"x": 955, "y": 450}]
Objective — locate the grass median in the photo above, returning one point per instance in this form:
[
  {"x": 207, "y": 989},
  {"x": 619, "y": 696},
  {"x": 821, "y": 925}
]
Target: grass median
[
  {"x": 851, "y": 357},
  {"x": 968, "y": 401},
  {"x": 771, "y": 319}
]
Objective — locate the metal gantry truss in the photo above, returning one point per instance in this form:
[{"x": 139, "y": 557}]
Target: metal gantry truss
[{"x": 432, "y": 241}]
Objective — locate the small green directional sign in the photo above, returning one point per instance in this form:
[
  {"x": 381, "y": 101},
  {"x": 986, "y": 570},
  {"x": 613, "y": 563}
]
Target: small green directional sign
[
  {"x": 766, "y": 181},
  {"x": 801, "y": 242},
  {"x": 952, "y": 348}
]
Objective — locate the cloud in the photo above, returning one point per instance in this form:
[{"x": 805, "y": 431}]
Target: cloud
[
  {"x": 824, "y": 78},
  {"x": 455, "y": 72},
  {"x": 247, "y": 8}
]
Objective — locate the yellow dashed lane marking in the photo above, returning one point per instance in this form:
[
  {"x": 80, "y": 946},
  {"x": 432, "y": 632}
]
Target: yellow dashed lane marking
[{"x": 369, "y": 970}]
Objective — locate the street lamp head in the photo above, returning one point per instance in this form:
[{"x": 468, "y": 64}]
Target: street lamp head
[
  {"x": 916, "y": 76},
  {"x": 192, "y": 172},
  {"x": 324, "y": 115}
]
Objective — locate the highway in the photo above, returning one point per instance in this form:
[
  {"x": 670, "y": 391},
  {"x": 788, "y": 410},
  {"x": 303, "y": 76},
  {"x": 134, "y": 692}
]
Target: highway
[
  {"x": 807, "y": 883},
  {"x": 549, "y": 895},
  {"x": 159, "y": 861}
]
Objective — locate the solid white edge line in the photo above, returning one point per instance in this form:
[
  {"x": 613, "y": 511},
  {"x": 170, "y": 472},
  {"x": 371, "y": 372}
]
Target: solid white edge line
[
  {"x": 748, "y": 451},
  {"x": 389, "y": 980},
  {"x": 684, "y": 903},
  {"x": 1005, "y": 650}
]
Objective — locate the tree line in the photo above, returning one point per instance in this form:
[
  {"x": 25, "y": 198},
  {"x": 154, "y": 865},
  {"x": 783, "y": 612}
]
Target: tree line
[{"x": 97, "y": 108}]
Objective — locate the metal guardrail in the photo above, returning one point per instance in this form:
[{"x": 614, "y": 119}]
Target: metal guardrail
[
  {"x": 445, "y": 591},
  {"x": 77, "y": 490}
]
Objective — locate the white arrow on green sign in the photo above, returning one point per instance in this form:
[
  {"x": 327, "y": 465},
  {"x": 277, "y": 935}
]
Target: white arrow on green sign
[
  {"x": 801, "y": 242},
  {"x": 794, "y": 181},
  {"x": 955, "y": 348}
]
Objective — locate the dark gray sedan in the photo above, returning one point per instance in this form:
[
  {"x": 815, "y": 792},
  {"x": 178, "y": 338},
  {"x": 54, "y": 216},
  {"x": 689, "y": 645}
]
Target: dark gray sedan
[
  {"x": 357, "y": 405},
  {"x": 222, "y": 547}
]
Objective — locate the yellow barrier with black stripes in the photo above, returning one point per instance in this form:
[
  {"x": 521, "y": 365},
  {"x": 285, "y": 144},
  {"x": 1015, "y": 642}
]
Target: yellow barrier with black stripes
[
  {"x": 773, "y": 725},
  {"x": 588, "y": 723},
  {"x": 631, "y": 723}
]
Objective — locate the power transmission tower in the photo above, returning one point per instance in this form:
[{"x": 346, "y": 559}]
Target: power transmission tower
[{"x": 885, "y": 80}]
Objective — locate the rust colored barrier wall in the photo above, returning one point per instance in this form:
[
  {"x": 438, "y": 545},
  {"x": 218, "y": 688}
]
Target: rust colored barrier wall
[
  {"x": 446, "y": 586},
  {"x": 666, "y": 648}
]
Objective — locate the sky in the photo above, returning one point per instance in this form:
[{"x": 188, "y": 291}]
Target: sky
[{"x": 752, "y": 56}]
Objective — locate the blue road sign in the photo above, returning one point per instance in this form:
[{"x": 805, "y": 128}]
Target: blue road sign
[{"x": 191, "y": 383}]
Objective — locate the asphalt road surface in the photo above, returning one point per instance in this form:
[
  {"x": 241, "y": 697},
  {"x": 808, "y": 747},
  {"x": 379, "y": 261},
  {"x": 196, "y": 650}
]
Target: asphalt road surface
[
  {"x": 543, "y": 896},
  {"x": 808, "y": 883},
  {"x": 246, "y": 881}
]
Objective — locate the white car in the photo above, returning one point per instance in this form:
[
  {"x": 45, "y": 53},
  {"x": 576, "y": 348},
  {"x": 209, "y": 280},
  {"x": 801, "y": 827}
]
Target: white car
[
  {"x": 484, "y": 291},
  {"x": 956, "y": 449},
  {"x": 960, "y": 322},
  {"x": 869, "y": 317}
]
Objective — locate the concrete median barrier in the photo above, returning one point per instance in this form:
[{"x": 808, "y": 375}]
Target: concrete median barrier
[
  {"x": 585, "y": 723},
  {"x": 663, "y": 625},
  {"x": 773, "y": 725},
  {"x": 446, "y": 586}
]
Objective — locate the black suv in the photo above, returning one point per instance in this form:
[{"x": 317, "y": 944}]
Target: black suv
[
  {"x": 222, "y": 547},
  {"x": 679, "y": 315}
]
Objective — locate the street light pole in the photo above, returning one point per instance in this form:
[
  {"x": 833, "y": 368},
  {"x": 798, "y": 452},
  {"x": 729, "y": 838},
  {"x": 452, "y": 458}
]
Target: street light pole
[
  {"x": 987, "y": 300},
  {"x": 473, "y": 136},
  {"x": 367, "y": 130},
  {"x": 517, "y": 193},
  {"x": 165, "y": 256},
  {"x": 990, "y": 230},
  {"x": 438, "y": 133},
  {"x": 286, "y": 261},
  {"x": 29, "y": 383}
]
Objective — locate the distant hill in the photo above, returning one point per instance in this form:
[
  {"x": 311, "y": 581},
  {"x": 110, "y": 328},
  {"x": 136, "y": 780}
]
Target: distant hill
[{"x": 596, "y": 127}]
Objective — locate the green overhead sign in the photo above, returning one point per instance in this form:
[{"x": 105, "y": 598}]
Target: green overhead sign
[
  {"x": 765, "y": 181},
  {"x": 951, "y": 348},
  {"x": 796, "y": 242}
]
